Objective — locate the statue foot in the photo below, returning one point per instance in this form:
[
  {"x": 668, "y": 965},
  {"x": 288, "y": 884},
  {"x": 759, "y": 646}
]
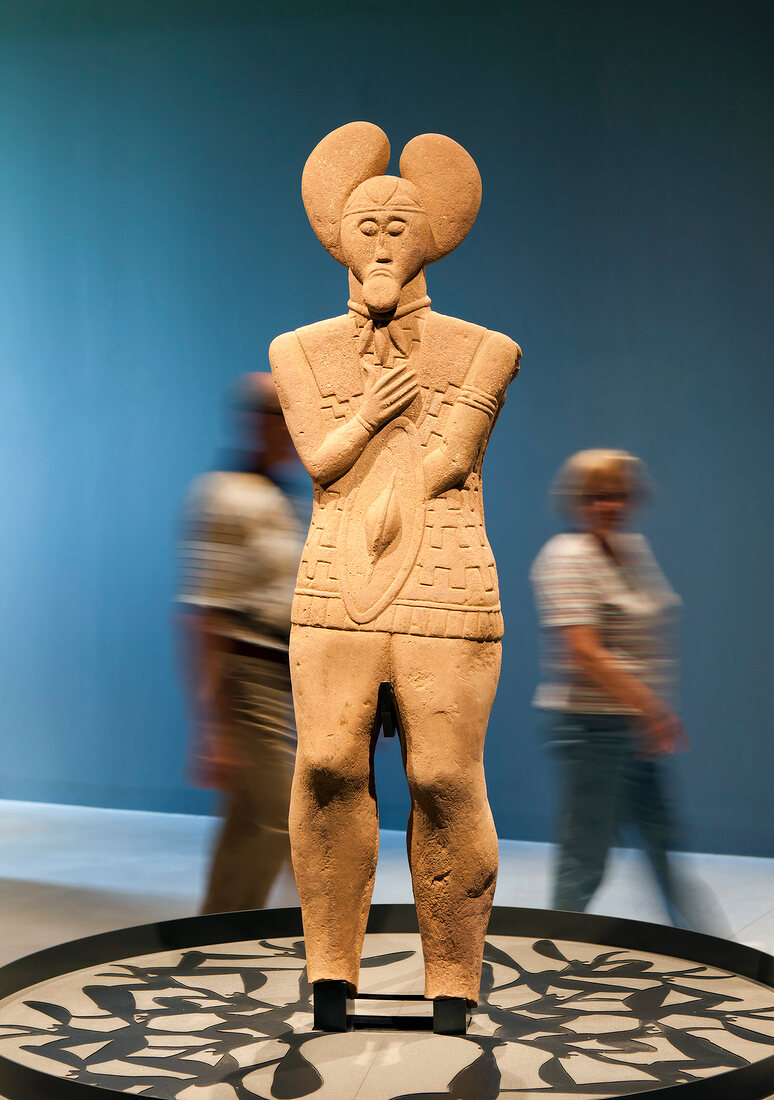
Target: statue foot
[
  {"x": 330, "y": 1005},
  {"x": 450, "y": 1016}
]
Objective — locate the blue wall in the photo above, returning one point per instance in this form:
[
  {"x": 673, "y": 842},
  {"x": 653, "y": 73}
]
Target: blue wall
[{"x": 152, "y": 242}]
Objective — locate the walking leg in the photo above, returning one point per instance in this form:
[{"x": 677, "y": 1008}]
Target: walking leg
[
  {"x": 588, "y": 810},
  {"x": 253, "y": 843}
]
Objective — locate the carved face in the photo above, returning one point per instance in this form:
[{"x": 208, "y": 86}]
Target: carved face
[{"x": 384, "y": 246}]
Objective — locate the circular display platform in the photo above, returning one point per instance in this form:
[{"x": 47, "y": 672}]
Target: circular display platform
[{"x": 218, "y": 1008}]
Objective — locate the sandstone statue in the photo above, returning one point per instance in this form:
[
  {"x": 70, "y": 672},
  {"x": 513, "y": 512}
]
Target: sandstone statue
[{"x": 390, "y": 407}]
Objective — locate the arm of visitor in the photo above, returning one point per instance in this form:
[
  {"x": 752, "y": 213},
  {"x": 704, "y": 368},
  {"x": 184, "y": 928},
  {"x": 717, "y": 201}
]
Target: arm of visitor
[
  {"x": 663, "y": 727},
  {"x": 215, "y": 758},
  {"x": 204, "y": 652},
  {"x": 205, "y": 597},
  {"x": 328, "y": 454},
  {"x": 495, "y": 365}
]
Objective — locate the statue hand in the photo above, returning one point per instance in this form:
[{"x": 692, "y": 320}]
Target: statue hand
[{"x": 388, "y": 391}]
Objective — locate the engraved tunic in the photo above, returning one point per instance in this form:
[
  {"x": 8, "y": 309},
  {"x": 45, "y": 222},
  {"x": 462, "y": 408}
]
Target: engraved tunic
[{"x": 381, "y": 554}]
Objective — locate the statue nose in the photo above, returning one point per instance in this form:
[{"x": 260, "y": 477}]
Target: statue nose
[{"x": 383, "y": 251}]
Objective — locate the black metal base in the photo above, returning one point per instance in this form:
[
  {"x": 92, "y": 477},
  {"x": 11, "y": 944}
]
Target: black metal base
[
  {"x": 450, "y": 1016},
  {"x": 330, "y": 1005},
  {"x": 333, "y": 1010}
]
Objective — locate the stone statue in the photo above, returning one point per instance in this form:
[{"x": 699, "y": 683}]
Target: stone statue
[{"x": 390, "y": 407}]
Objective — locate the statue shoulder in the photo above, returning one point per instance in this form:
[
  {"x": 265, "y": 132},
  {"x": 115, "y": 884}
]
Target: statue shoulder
[
  {"x": 283, "y": 348},
  {"x": 469, "y": 331},
  {"x": 321, "y": 355},
  {"x": 322, "y": 330},
  {"x": 289, "y": 344},
  {"x": 456, "y": 327},
  {"x": 505, "y": 348},
  {"x": 471, "y": 340}
]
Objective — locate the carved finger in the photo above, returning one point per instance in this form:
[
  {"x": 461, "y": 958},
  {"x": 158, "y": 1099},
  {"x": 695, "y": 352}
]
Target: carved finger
[
  {"x": 403, "y": 370},
  {"x": 399, "y": 380},
  {"x": 372, "y": 376},
  {"x": 411, "y": 386},
  {"x": 400, "y": 395},
  {"x": 405, "y": 398},
  {"x": 394, "y": 376},
  {"x": 400, "y": 401},
  {"x": 396, "y": 395}
]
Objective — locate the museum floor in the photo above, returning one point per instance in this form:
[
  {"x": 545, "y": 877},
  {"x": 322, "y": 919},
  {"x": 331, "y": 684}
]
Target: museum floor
[{"x": 69, "y": 871}]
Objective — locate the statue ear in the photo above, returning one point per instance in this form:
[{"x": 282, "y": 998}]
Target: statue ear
[
  {"x": 342, "y": 161},
  {"x": 450, "y": 186}
]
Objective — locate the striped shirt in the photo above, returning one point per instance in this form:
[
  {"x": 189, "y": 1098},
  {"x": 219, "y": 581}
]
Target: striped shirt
[
  {"x": 240, "y": 554},
  {"x": 632, "y": 607}
]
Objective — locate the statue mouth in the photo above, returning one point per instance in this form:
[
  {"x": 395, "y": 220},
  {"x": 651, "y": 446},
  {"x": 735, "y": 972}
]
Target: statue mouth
[{"x": 383, "y": 269}]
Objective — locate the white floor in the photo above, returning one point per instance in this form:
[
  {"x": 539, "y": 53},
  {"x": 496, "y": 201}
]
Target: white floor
[{"x": 67, "y": 871}]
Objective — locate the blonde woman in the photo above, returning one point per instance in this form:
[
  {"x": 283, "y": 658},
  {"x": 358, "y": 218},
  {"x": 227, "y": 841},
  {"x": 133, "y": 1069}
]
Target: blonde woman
[{"x": 607, "y": 618}]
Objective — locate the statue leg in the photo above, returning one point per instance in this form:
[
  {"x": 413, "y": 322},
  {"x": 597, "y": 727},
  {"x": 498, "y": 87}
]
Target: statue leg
[
  {"x": 334, "y": 829},
  {"x": 444, "y": 688}
]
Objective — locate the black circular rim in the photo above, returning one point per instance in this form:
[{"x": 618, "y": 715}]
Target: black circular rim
[{"x": 19, "y": 1082}]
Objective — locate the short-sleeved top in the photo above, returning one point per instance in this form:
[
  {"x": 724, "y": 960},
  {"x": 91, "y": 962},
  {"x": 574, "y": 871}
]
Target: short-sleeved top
[
  {"x": 239, "y": 555},
  {"x": 632, "y": 606}
]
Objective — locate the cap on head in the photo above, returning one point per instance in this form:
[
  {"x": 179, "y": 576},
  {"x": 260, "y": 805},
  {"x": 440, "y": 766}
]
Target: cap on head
[
  {"x": 347, "y": 168},
  {"x": 384, "y": 192}
]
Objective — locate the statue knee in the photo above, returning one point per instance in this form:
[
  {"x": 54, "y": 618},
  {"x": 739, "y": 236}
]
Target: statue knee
[
  {"x": 438, "y": 785},
  {"x": 331, "y": 774}
]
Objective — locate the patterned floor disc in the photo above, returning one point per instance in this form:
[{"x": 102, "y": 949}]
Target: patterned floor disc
[{"x": 233, "y": 1021}]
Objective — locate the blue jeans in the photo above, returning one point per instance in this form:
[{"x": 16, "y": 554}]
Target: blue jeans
[{"x": 604, "y": 786}]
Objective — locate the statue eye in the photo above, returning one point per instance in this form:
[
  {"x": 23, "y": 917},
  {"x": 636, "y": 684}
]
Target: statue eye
[
  {"x": 369, "y": 228},
  {"x": 396, "y": 228}
]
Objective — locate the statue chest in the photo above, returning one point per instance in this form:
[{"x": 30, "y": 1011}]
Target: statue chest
[{"x": 440, "y": 353}]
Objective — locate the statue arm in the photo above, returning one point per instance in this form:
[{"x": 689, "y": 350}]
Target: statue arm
[
  {"x": 326, "y": 455},
  {"x": 495, "y": 365}
]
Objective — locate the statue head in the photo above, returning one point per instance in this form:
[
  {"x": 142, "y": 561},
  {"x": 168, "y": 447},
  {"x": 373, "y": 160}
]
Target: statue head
[
  {"x": 384, "y": 238},
  {"x": 385, "y": 229}
]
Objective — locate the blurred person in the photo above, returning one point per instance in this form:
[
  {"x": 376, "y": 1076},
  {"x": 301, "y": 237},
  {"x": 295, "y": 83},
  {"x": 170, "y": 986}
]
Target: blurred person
[
  {"x": 240, "y": 554},
  {"x": 608, "y": 619}
]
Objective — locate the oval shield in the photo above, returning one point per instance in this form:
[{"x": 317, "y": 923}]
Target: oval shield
[{"x": 383, "y": 521}]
